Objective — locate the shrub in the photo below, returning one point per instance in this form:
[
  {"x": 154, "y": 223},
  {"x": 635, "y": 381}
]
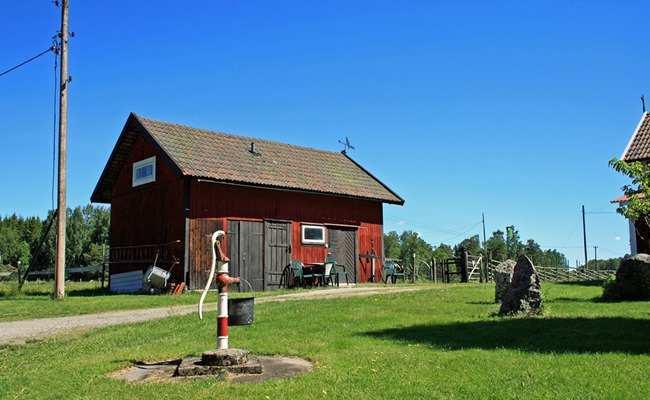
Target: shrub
[
  {"x": 610, "y": 291},
  {"x": 632, "y": 280}
]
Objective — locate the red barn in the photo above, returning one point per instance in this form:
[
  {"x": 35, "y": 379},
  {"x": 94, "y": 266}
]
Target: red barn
[{"x": 170, "y": 186}]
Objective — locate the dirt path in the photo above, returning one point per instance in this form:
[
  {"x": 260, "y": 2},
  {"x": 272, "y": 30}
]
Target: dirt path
[{"x": 18, "y": 332}]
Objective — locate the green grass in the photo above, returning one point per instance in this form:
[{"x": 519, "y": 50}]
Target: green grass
[
  {"x": 81, "y": 298},
  {"x": 439, "y": 343}
]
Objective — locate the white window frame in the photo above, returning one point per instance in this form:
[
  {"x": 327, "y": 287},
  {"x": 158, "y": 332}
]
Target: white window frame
[
  {"x": 143, "y": 163},
  {"x": 312, "y": 241}
]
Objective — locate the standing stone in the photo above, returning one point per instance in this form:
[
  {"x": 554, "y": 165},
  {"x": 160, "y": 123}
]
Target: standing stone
[
  {"x": 524, "y": 296},
  {"x": 502, "y": 278}
]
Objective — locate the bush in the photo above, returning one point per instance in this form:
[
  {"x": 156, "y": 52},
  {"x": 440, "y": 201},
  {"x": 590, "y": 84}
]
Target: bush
[
  {"x": 632, "y": 280},
  {"x": 610, "y": 292}
]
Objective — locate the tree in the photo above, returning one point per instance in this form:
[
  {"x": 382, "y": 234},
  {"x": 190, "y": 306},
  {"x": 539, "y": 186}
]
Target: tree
[
  {"x": 403, "y": 246},
  {"x": 534, "y": 252},
  {"x": 513, "y": 243},
  {"x": 13, "y": 248},
  {"x": 443, "y": 252},
  {"x": 87, "y": 233},
  {"x": 472, "y": 245},
  {"x": 411, "y": 243},
  {"x": 391, "y": 245},
  {"x": 637, "y": 206},
  {"x": 496, "y": 246}
]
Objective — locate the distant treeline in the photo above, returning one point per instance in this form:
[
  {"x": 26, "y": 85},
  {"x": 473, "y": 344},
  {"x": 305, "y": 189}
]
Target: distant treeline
[
  {"x": 499, "y": 246},
  {"x": 87, "y": 233}
]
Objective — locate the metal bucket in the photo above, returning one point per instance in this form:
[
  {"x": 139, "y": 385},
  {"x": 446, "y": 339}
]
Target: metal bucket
[{"x": 241, "y": 311}]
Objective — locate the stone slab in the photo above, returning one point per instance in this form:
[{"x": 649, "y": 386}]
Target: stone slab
[
  {"x": 193, "y": 366},
  {"x": 225, "y": 357},
  {"x": 272, "y": 368}
]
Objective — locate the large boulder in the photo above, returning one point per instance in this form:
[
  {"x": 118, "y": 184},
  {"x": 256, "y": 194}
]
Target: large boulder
[
  {"x": 632, "y": 279},
  {"x": 524, "y": 296},
  {"x": 502, "y": 278}
]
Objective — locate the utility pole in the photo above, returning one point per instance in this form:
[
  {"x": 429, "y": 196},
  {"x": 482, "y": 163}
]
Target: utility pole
[
  {"x": 584, "y": 235},
  {"x": 596, "y": 257},
  {"x": 483, "y": 221},
  {"x": 59, "y": 290}
]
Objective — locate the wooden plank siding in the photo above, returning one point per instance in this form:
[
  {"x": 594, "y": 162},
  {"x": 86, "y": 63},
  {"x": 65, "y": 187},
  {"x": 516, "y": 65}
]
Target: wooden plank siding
[
  {"x": 148, "y": 214},
  {"x": 233, "y": 202},
  {"x": 155, "y": 213},
  {"x": 200, "y": 254}
]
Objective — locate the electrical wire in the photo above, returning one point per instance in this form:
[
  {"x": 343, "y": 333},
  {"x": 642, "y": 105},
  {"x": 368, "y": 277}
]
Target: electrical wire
[{"x": 51, "y": 48}]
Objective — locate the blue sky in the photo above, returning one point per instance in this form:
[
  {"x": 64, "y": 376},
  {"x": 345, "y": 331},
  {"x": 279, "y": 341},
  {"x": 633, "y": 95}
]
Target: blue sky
[{"x": 508, "y": 108}]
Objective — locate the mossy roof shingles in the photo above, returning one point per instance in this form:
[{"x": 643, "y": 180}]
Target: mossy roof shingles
[{"x": 227, "y": 158}]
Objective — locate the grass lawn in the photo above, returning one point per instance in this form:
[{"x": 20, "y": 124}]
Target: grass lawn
[
  {"x": 437, "y": 343},
  {"x": 81, "y": 298}
]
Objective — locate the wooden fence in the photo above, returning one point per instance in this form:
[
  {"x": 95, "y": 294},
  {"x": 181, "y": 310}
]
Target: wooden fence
[
  {"x": 479, "y": 270},
  {"x": 561, "y": 274}
]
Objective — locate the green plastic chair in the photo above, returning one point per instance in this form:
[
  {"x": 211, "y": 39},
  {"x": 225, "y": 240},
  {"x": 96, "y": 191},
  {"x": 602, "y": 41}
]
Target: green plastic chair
[
  {"x": 297, "y": 269},
  {"x": 297, "y": 272},
  {"x": 332, "y": 275},
  {"x": 392, "y": 271}
]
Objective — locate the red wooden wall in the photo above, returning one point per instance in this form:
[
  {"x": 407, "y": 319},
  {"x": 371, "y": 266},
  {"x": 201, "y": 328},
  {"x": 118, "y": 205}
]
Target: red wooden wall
[
  {"x": 148, "y": 214},
  {"x": 154, "y": 213},
  {"x": 213, "y": 200}
]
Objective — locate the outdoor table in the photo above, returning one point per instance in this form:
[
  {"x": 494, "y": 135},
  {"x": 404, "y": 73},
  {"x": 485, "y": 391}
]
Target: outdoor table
[{"x": 315, "y": 269}]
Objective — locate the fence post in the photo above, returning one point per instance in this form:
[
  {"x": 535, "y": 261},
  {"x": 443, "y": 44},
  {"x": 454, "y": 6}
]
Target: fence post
[
  {"x": 463, "y": 266},
  {"x": 20, "y": 273},
  {"x": 435, "y": 270},
  {"x": 414, "y": 268}
]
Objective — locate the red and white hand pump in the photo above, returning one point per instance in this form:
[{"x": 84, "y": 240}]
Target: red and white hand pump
[{"x": 220, "y": 264}]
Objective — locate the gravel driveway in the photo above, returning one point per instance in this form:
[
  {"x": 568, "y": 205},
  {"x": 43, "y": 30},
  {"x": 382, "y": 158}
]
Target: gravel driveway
[{"x": 18, "y": 332}]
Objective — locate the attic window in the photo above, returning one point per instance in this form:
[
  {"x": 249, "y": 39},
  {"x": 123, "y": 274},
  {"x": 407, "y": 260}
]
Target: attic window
[
  {"x": 313, "y": 234},
  {"x": 144, "y": 171}
]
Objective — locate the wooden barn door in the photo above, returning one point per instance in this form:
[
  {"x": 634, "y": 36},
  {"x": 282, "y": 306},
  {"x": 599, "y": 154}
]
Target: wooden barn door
[
  {"x": 200, "y": 253},
  {"x": 343, "y": 246},
  {"x": 277, "y": 251},
  {"x": 246, "y": 250}
]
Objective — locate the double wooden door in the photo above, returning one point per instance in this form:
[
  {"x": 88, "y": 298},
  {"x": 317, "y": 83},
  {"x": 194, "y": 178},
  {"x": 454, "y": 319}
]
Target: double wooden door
[
  {"x": 343, "y": 246},
  {"x": 277, "y": 251},
  {"x": 259, "y": 252},
  {"x": 246, "y": 252}
]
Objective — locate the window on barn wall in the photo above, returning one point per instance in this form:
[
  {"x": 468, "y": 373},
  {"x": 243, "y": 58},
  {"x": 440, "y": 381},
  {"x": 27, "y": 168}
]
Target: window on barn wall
[
  {"x": 144, "y": 171},
  {"x": 313, "y": 234}
]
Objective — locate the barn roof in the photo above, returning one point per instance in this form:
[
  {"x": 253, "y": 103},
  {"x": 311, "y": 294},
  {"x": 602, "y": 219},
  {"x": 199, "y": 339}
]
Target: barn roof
[
  {"x": 228, "y": 158},
  {"x": 638, "y": 148}
]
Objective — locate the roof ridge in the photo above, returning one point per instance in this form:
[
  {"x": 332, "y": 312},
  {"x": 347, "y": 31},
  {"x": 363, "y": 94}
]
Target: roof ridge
[{"x": 237, "y": 135}]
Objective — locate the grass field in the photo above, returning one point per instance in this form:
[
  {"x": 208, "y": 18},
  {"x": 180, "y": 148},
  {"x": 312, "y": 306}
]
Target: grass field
[
  {"x": 81, "y": 298},
  {"x": 439, "y": 343}
]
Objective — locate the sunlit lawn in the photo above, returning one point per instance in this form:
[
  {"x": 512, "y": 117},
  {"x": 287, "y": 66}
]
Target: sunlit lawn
[
  {"x": 81, "y": 298},
  {"x": 438, "y": 343}
]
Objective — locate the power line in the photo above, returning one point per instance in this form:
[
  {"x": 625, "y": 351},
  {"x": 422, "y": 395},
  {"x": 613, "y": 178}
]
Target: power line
[
  {"x": 466, "y": 232},
  {"x": 51, "y": 48}
]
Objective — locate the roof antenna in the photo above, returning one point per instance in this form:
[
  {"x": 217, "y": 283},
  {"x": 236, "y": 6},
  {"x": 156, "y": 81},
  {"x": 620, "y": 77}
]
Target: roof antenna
[
  {"x": 253, "y": 149},
  {"x": 643, "y": 102},
  {"x": 346, "y": 145}
]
